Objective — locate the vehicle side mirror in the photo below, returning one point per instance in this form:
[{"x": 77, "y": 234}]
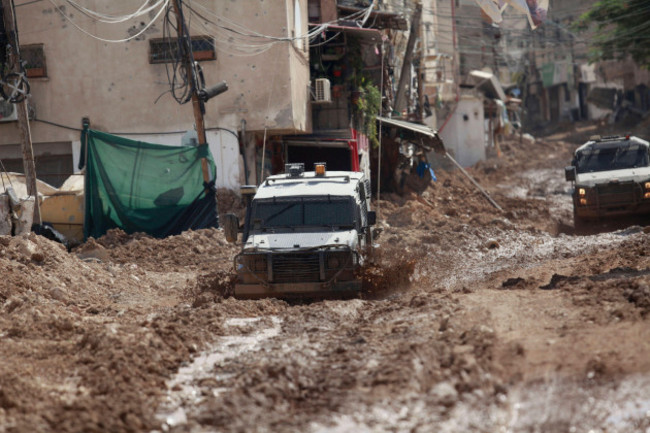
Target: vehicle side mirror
[
  {"x": 372, "y": 218},
  {"x": 230, "y": 224},
  {"x": 570, "y": 173}
]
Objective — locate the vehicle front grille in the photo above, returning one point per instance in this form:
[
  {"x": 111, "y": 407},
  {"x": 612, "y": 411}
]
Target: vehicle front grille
[
  {"x": 296, "y": 267},
  {"x": 616, "y": 194}
]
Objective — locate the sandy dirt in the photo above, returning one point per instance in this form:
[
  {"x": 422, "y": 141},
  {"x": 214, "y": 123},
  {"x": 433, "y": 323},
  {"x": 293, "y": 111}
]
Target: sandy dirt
[{"x": 473, "y": 319}]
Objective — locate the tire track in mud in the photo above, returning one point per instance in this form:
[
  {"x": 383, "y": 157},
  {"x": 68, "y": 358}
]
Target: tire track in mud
[{"x": 343, "y": 363}]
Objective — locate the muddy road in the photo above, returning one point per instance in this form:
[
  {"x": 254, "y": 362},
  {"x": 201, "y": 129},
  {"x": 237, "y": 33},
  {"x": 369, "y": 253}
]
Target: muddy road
[{"x": 474, "y": 320}]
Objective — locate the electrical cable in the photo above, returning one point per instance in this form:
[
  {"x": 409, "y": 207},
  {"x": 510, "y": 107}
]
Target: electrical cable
[
  {"x": 243, "y": 31},
  {"x": 113, "y": 19},
  {"x": 71, "y": 128},
  {"x": 28, "y": 3},
  {"x": 144, "y": 29}
]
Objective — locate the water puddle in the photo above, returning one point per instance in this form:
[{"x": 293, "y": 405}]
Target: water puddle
[
  {"x": 554, "y": 406},
  {"x": 574, "y": 408},
  {"x": 527, "y": 250},
  {"x": 184, "y": 389}
]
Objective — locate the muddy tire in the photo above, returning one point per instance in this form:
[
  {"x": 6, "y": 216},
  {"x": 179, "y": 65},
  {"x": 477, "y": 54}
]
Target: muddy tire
[
  {"x": 369, "y": 238},
  {"x": 579, "y": 223}
]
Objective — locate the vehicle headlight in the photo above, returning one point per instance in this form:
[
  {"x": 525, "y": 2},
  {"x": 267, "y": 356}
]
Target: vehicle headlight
[
  {"x": 582, "y": 192},
  {"x": 583, "y": 201},
  {"x": 647, "y": 186}
]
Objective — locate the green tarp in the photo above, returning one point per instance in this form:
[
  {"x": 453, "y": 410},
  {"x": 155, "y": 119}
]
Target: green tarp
[{"x": 144, "y": 187}]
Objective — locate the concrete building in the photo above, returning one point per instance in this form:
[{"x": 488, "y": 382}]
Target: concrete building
[
  {"x": 123, "y": 87},
  {"x": 551, "y": 68}
]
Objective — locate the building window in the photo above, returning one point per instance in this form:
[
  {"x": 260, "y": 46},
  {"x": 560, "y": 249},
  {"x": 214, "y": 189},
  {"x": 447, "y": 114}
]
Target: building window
[
  {"x": 34, "y": 59},
  {"x": 313, "y": 10},
  {"x": 165, "y": 50}
]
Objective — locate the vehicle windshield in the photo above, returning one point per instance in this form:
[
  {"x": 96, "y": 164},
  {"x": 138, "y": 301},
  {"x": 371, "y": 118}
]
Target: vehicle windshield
[
  {"x": 617, "y": 156},
  {"x": 296, "y": 212}
]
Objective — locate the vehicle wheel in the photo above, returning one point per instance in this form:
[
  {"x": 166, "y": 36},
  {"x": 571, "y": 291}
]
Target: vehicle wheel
[
  {"x": 579, "y": 223},
  {"x": 369, "y": 237}
]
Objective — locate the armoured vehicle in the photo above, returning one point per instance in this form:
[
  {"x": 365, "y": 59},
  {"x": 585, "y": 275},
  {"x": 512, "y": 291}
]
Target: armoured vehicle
[
  {"x": 612, "y": 178},
  {"x": 304, "y": 234}
]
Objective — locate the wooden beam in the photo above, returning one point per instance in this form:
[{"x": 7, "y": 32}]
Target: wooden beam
[
  {"x": 400, "y": 98},
  {"x": 21, "y": 107}
]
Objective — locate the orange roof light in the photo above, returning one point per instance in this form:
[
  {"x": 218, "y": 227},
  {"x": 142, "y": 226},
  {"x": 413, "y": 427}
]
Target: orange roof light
[{"x": 319, "y": 168}]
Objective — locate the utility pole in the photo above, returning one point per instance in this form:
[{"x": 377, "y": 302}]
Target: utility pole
[
  {"x": 199, "y": 95},
  {"x": 421, "y": 71},
  {"x": 8, "y": 13},
  {"x": 400, "y": 102},
  {"x": 189, "y": 72}
]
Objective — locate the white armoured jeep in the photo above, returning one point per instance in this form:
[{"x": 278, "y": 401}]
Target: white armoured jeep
[
  {"x": 305, "y": 234},
  {"x": 612, "y": 178}
]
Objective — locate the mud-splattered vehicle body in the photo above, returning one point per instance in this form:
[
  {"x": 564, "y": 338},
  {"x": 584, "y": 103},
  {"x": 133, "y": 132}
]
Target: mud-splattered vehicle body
[
  {"x": 612, "y": 178},
  {"x": 305, "y": 235}
]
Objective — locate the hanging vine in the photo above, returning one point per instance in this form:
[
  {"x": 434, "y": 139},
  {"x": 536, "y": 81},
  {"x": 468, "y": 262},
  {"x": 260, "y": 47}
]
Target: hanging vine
[{"x": 368, "y": 105}]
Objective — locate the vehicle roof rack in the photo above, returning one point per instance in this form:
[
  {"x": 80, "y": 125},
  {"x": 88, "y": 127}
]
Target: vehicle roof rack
[{"x": 609, "y": 137}]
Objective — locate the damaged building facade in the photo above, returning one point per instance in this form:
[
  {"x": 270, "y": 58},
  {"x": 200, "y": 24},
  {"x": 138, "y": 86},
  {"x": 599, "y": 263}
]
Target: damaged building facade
[
  {"x": 306, "y": 81},
  {"x": 549, "y": 68},
  {"x": 117, "y": 76}
]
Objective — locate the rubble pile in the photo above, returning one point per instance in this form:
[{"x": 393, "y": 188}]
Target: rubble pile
[{"x": 466, "y": 306}]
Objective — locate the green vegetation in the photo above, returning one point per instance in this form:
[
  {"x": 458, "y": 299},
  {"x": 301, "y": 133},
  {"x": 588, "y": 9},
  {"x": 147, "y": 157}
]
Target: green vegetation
[
  {"x": 621, "y": 28},
  {"x": 368, "y": 105}
]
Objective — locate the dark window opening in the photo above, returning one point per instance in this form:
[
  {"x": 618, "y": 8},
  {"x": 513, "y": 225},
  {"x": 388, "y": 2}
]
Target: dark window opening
[
  {"x": 51, "y": 169},
  {"x": 336, "y": 158},
  {"x": 33, "y": 57},
  {"x": 165, "y": 50}
]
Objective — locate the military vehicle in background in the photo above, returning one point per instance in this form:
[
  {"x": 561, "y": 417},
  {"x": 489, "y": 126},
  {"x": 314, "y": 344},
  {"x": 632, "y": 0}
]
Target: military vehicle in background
[{"x": 611, "y": 176}]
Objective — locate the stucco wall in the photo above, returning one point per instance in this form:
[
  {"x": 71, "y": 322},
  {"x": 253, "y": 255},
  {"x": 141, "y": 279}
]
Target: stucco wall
[
  {"x": 118, "y": 89},
  {"x": 464, "y": 134}
]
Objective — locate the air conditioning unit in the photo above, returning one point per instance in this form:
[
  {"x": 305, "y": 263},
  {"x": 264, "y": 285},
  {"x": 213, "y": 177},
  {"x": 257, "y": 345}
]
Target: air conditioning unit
[
  {"x": 8, "y": 111},
  {"x": 322, "y": 92}
]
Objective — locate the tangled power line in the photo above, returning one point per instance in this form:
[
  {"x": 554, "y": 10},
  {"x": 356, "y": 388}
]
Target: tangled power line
[{"x": 228, "y": 36}]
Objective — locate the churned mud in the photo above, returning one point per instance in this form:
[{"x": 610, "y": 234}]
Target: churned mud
[{"x": 471, "y": 319}]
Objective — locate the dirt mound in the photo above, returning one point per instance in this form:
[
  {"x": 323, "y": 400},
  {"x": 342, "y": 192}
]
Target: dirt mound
[
  {"x": 220, "y": 283},
  {"x": 464, "y": 303},
  {"x": 197, "y": 250},
  {"x": 614, "y": 283}
]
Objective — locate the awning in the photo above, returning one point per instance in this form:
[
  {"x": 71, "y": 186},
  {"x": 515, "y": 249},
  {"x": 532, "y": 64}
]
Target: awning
[
  {"x": 487, "y": 83},
  {"x": 368, "y": 35},
  {"x": 380, "y": 19},
  {"x": 326, "y": 138},
  {"x": 430, "y": 137},
  {"x": 319, "y": 143}
]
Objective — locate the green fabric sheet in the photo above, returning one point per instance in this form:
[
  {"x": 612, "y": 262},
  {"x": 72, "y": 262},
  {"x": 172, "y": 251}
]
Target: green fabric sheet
[{"x": 138, "y": 186}]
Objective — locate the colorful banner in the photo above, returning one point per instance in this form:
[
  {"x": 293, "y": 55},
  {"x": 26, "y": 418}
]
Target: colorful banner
[
  {"x": 535, "y": 10},
  {"x": 491, "y": 9}
]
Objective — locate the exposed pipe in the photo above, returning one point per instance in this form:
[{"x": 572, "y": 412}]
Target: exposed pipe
[
  {"x": 492, "y": 202},
  {"x": 242, "y": 149}
]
